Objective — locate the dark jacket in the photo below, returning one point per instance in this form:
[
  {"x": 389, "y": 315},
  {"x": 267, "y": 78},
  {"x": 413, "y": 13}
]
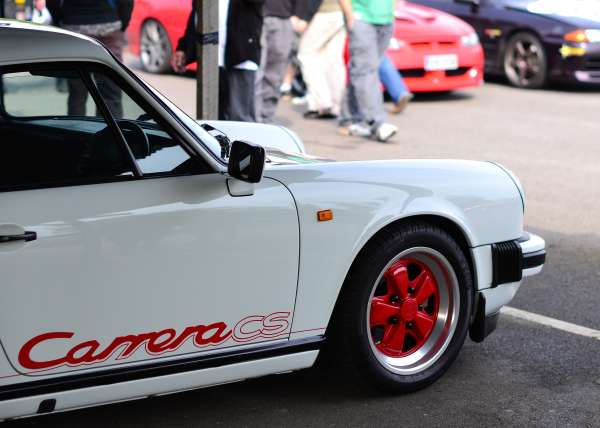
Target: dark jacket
[
  {"x": 90, "y": 12},
  {"x": 310, "y": 9},
  {"x": 244, "y": 28},
  {"x": 288, "y": 8}
]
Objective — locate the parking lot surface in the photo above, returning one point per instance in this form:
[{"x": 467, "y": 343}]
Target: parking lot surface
[{"x": 525, "y": 374}]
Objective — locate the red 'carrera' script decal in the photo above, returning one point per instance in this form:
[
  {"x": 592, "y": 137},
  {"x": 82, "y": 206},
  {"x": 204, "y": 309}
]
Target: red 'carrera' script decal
[{"x": 155, "y": 343}]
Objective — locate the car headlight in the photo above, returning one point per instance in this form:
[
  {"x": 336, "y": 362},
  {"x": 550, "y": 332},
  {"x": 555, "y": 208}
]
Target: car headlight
[
  {"x": 583, "y": 36},
  {"x": 471, "y": 39}
]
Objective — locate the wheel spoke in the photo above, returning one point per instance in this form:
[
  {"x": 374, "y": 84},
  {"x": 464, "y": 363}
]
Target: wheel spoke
[
  {"x": 397, "y": 280},
  {"x": 381, "y": 311},
  {"x": 423, "y": 325},
  {"x": 394, "y": 337},
  {"x": 521, "y": 48},
  {"x": 425, "y": 287}
]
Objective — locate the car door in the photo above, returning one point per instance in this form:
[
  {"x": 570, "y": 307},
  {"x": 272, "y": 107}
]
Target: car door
[{"x": 118, "y": 244}]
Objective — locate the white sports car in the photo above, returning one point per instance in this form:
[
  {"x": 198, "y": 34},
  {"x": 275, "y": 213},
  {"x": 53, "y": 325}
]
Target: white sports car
[{"x": 143, "y": 253}]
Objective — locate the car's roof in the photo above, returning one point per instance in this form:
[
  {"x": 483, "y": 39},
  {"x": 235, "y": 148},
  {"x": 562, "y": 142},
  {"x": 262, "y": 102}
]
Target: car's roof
[{"x": 22, "y": 42}]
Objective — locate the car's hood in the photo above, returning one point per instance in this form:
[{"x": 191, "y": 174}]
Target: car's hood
[
  {"x": 415, "y": 22},
  {"x": 579, "y": 13}
]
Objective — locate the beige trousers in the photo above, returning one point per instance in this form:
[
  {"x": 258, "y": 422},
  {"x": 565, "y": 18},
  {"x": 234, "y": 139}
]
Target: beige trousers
[{"x": 321, "y": 55}]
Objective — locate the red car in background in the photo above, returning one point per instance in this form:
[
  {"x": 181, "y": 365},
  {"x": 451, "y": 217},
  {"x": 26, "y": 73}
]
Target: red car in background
[
  {"x": 435, "y": 51},
  {"x": 155, "y": 28}
]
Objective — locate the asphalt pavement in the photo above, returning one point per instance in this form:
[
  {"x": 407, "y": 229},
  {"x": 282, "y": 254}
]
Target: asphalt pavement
[{"x": 525, "y": 374}]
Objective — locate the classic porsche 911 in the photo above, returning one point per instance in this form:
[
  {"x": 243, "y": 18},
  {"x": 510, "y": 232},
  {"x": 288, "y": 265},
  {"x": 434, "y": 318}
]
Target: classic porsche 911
[
  {"x": 533, "y": 42},
  {"x": 144, "y": 253}
]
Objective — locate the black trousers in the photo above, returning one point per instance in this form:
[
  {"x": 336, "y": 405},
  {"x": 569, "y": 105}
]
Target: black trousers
[{"x": 236, "y": 95}]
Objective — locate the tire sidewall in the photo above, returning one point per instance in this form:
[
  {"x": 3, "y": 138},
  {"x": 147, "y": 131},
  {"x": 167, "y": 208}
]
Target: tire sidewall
[{"x": 368, "y": 363}]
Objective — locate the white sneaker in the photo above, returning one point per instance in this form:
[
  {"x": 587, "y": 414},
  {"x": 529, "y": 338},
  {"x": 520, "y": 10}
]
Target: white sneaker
[
  {"x": 359, "y": 130},
  {"x": 385, "y": 132}
]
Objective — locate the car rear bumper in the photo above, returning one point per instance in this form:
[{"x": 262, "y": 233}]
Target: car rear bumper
[{"x": 512, "y": 261}]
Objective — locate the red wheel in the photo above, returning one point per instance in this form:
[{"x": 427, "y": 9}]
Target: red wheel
[
  {"x": 404, "y": 312},
  {"x": 404, "y": 308}
]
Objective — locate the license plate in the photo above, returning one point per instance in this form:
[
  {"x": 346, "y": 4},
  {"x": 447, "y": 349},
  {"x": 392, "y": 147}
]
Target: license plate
[{"x": 441, "y": 62}]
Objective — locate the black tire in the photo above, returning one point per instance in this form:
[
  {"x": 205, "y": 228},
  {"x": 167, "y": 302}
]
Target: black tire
[
  {"x": 353, "y": 345},
  {"x": 525, "y": 61},
  {"x": 155, "y": 48}
]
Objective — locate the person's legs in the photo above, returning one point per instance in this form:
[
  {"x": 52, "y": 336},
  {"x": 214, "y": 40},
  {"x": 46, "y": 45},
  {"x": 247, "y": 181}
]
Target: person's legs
[
  {"x": 223, "y": 94},
  {"x": 336, "y": 68},
  {"x": 315, "y": 57},
  {"x": 394, "y": 85},
  {"x": 77, "y": 100},
  {"x": 364, "y": 77},
  {"x": 278, "y": 43},
  {"x": 110, "y": 91},
  {"x": 391, "y": 79},
  {"x": 241, "y": 106}
]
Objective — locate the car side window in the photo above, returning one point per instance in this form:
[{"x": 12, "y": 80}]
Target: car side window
[
  {"x": 156, "y": 151},
  {"x": 51, "y": 133}
]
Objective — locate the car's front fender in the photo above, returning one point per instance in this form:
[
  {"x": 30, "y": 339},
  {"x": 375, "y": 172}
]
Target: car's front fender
[{"x": 365, "y": 197}]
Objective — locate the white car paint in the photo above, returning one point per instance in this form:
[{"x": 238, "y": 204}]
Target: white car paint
[
  {"x": 144, "y": 256},
  {"x": 266, "y": 135}
]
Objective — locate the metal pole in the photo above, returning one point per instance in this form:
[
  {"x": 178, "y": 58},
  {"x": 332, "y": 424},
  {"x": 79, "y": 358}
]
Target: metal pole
[{"x": 207, "y": 27}]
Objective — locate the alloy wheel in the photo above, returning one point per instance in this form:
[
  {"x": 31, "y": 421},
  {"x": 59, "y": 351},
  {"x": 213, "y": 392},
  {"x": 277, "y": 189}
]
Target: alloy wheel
[
  {"x": 155, "y": 47},
  {"x": 413, "y": 311},
  {"x": 525, "y": 62}
]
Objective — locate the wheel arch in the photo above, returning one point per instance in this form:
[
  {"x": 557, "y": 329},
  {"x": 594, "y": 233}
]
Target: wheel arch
[{"x": 450, "y": 226}]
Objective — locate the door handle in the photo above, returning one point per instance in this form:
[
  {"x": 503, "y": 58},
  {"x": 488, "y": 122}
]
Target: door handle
[{"x": 27, "y": 237}]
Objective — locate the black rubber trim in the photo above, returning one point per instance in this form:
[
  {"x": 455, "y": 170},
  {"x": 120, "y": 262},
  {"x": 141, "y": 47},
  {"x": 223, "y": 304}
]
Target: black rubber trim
[
  {"x": 119, "y": 375},
  {"x": 533, "y": 260},
  {"x": 507, "y": 258},
  {"x": 27, "y": 237},
  {"x": 482, "y": 325}
]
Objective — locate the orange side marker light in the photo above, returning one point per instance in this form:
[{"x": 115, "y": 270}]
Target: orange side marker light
[{"x": 325, "y": 215}]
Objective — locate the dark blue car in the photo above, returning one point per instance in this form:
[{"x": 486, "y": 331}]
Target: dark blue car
[{"x": 532, "y": 42}]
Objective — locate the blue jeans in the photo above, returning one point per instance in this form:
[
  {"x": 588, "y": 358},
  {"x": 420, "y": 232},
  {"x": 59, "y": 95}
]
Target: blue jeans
[{"x": 392, "y": 80}]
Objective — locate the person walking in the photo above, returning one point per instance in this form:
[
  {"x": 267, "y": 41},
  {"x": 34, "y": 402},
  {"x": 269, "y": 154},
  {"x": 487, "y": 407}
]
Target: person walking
[
  {"x": 394, "y": 85},
  {"x": 281, "y": 19},
  {"x": 321, "y": 57},
  {"x": 104, "y": 20},
  {"x": 370, "y": 24},
  {"x": 240, "y": 27}
]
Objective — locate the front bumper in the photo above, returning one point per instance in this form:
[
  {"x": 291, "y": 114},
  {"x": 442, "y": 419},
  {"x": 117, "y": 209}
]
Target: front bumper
[
  {"x": 577, "y": 63},
  {"x": 410, "y": 60},
  {"x": 511, "y": 262},
  {"x": 419, "y": 80}
]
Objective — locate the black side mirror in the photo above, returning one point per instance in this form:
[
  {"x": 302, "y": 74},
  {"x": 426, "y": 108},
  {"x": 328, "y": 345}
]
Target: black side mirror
[{"x": 246, "y": 161}]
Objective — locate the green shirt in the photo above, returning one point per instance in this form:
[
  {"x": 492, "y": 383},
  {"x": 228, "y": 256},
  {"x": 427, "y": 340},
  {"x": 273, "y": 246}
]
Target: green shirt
[{"x": 379, "y": 12}]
